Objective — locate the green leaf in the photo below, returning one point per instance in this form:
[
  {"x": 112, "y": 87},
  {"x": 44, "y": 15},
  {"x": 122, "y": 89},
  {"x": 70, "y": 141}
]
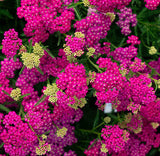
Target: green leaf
[
  {"x": 39, "y": 70},
  {"x": 4, "y": 12},
  {"x": 41, "y": 100},
  {"x": 96, "y": 118},
  {"x": 3, "y": 108},
  {"x": 1, "y": 145},
  {"x": 72, "y": 5},
  {"x": 21, "y": 97}
]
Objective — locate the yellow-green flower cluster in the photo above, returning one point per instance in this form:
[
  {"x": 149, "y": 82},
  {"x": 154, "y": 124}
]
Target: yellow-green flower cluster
[
  {"x": 90, "y": 51},
  {"x": 86, "y": 3},
  {"x": 38, "y": 50},
  {"x": 67, "y": 50},
  {"x": 152, "y": 50},
  {"x": 43, "y": 148},
  {"x": 22, "y": 49},
  {"x": 15, "y": 94},
  {"x": 107, "y": 119},
  {"x": 78, "y": 103},
  {"x": 158, "y": 83},
  {"x": 104, "y": 149},
  {"x": 155, "y": 125},
  {"x": 30, "y": 60},
  {"x": 51, "y": 91},
  {"x": 79, "y": 35},
  {"x": 111, "y": 15},
  {"x": 61, "y": 132}
]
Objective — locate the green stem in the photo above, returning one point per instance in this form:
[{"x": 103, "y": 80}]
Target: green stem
[
  {"x": 145, "y": 44},
  {"x": 6, "y": 93},
  {"x": 21, "y": 110},
  {"x": 9, "y": 103},
  {"x": 30, "y": 46},
  {"x": 93, "y": 143},
  {"x": 56, "y": 126},
  {"x": 21, "y": 97},
  {"x": 80, "y": 148},
  {"x": 39, "y": 70},
  {"x": 46, "y": 132},
  {"x": 149, "y": 24},
  {"x": 40, "y": 100},
  {"x": 21, "y": 70},
  {"x": 121, "y": 43},
  {"x": 73, "y": 4},
  {"x": 59, "y": 38},
  {"x": 99, "y": 125},
  {"x": 153, "y": 69},
  {"x": 96, "y": 66},
  {"x": 33, "y": 131},
  {"x": 49, "y": 53}
]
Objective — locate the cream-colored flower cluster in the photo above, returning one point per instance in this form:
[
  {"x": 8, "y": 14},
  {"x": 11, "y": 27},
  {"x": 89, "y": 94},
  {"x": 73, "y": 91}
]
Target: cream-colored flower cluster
[{"x": 31, "y": 60}]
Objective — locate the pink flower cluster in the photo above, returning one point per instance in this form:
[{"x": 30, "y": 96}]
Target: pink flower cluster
[
  {"x": 125, "y": 19},
  {"x": 44, "y": 17},
  {"x": 63, "y": 112},
  {"x": 11, "y": 43},
  {"x": 108, "y": 83},
  {"x": 125, "y": 55},
  {"x": 151, "y": 111},
  {"x": 109, "y": 5},
  {"x": 9, "y": 66},
  {"x": 17, "y": 136},
  {"x": 75, "y": 44},
  {"x": 115, "y": 138},
  {"x": 136, "y": 90},
  {"x": 134, "y": 147},
  {"x": 137, "y": 65},
  {"x": 73, "y": 81},
  {"x": 94, "y": 27},
  {"x": 152, "y": 5},
  {"x": 94, "y": 149}
]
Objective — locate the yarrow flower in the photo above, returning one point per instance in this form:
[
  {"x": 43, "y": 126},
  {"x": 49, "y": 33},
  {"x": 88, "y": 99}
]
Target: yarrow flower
[
  {"x": 108, "y": 5},
  {"x": 11, "y": 43},
  {"x": 61, "y": 132},
  {"x": 125, "y": 19},
  {"x": 91, "y": 51},
  {"x": 30, "y": 60},
  {"x": 38, "y": 50},
  {"x": 17, "y": 136},
  {"x": 114, "y": 137},
  {"x": 75, "y": 45},
  {"x": 51, "y": 91},
  {"x": 107, "y": 83},
  {"x": 152, "y": 4},
  {"x": 152, "y": 50},
  {"x": 73, "y": 81},
  {"x": 15, "y": 94},
  {"x": 44, "y": 18},
  {"x": 43, "y": 148}
]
